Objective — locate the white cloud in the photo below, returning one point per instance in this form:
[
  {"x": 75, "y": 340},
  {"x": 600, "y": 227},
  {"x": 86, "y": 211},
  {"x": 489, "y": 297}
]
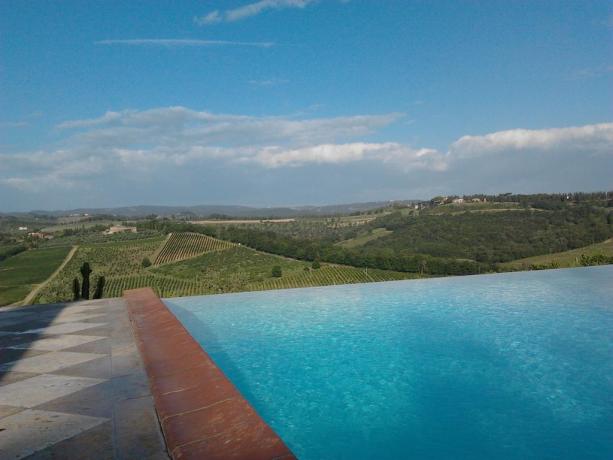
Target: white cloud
[
  {"x": 142, "y": 140},
  {"x": 400, "y": 155},
  {"x": 212, "y": 18},
  {"x": 593, "y": 138},
  {"x": 181, "y": 42},
  {"x": 174, "y": 126},
  {"x": 137, "y": 144},
  {"x": 251, "y": 9}
]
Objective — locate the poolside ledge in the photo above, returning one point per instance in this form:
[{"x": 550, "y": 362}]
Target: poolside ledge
[{"x": 202, "y": 414}]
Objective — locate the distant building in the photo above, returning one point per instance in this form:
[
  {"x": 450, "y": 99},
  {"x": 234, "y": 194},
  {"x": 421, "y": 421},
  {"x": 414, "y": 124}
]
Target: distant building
[
  {"x": 119, "y": 229},
  {"x": 458, "y": 200},
  {"x": 23, "y": 229},
  {"x": 438, "y": 200},
  {"x": 41, "y": 235}
]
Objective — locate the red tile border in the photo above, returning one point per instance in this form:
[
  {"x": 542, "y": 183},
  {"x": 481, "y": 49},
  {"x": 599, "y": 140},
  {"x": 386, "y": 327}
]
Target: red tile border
[{"x": 203, "y": 415}]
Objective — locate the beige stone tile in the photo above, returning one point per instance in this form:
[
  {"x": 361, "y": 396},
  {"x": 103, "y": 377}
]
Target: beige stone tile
[
  {"x": 49, "y": 362},
  {"x": 30, "y": 431},
  {"x": 42, "y": 388},
  {"x": 58, "y": 343}
]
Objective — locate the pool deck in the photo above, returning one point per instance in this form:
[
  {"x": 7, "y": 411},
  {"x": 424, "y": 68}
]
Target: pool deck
[
  {"x": 73, "y": 386},
  {"x": 118, "y": 379}
]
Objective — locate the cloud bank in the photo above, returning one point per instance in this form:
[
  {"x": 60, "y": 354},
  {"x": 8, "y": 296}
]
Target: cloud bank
[{"x": 173, "y": 143}]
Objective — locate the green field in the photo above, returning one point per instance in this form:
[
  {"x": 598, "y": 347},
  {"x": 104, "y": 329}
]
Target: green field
[
  {"x": 563, "y": 259},
  {"x": 18, "y": 274},
  {"x": 365, "y": 238}
]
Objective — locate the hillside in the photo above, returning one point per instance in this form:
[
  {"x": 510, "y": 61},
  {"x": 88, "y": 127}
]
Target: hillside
[
  {"x": 493, "y": 237},
  {"x": 563, "y": 259}
]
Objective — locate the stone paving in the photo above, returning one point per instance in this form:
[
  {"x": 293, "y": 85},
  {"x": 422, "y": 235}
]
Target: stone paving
[{"x": 73, "y": 386}]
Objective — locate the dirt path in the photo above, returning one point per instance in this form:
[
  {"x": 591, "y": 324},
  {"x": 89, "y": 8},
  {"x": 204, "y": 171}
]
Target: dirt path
[{"x": 30, "y": 297}]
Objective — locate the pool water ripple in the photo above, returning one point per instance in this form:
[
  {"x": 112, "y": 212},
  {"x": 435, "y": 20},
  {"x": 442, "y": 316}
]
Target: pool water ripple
[{"x": 508, "y": 366}]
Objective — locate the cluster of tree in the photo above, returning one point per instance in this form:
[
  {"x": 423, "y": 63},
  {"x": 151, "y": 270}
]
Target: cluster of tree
[
  {"x": 496, "y": 236},
  {"x": 83, "y": 230},
  {"x": 547, "y": 266},
  {"x": 81, "y": 290},
  {"x": 9, "y": 251},
  {"x": 550, "y": 200},
  {"x": 596, "y": 259}
]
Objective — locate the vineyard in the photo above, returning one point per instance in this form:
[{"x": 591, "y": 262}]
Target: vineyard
[
  {"x": 243, "y": 269},
  {"x": 182, "y": 246},
  {"x": 163, "y": 286},
  {"x": 330, "y": 275}
]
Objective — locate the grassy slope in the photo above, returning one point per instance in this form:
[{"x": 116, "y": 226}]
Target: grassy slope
[
  {"x": 566, "y": 258},
  {"x": 19, "y": 273}
]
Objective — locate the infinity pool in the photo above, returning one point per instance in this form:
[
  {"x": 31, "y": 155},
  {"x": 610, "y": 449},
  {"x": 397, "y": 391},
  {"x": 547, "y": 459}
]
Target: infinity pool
[{"x": 508, "y": 366}]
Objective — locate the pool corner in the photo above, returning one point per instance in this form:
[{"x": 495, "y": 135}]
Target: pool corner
[{"x": 201, "y": 412}]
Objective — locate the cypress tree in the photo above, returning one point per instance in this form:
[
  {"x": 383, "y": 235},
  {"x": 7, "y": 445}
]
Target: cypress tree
[
  {"x": 76, "y": 289},
  {"x": 85, "y": 272},
  {"x": 99, "y": 287}
]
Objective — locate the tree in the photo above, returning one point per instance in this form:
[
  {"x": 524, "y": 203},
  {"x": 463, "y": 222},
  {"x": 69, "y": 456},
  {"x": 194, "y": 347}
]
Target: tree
[
  {"x": 146, "y": 262},
  {"x": 276, "y": 271},
  {"x": 76, "y": 289},
  {"x": 99, "y": 287},
  {"x": 85, "y": 272},
  {"x": 316, "y": 264}
]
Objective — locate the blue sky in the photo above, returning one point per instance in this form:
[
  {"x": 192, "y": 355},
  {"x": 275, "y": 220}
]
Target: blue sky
[{"x": 282, "y": 102}]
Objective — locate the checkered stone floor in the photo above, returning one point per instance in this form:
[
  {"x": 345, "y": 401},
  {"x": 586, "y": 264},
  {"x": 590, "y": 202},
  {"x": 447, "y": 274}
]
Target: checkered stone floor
[{"x": 72, "y": 385}]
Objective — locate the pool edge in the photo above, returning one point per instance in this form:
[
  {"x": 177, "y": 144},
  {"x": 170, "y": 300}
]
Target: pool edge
[{"x": 201, "y": 412}]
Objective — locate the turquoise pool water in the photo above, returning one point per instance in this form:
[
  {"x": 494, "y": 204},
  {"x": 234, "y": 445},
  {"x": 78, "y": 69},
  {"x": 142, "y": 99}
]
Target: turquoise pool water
[{"x": 509, "y": 366}]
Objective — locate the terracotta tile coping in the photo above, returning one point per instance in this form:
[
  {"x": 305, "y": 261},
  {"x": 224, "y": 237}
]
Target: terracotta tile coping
[{"x": 203, "y": 415}]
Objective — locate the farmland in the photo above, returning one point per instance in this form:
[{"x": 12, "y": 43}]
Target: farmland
[
  {"x": 116, "y": 259},
  {"x": 19, "y": 273},
  {"x": 194, "y": 264}
]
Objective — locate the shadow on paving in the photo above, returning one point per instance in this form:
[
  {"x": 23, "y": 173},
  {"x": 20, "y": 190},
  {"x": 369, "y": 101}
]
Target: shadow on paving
[{"x": 21, "y": 326}]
